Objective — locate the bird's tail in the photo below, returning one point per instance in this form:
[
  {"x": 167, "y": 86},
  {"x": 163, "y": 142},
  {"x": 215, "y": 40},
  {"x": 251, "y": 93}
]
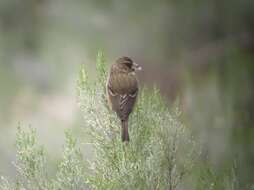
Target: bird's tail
[{"x": 125, "y": 133}]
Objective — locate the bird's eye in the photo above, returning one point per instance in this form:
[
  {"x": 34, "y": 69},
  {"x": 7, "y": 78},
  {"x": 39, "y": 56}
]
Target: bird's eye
[
  {"x": 125, "y": 61},
  {"x": 128, "y": 64}
]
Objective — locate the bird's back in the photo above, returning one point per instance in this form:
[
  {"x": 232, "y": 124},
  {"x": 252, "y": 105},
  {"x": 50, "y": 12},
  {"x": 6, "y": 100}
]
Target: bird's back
[
  {"x": 123, "y": 83},
  {"x": 122, "y": 89}
]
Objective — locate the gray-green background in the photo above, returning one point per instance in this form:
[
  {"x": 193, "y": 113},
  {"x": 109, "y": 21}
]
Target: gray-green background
[{"x": 200, "y": 54}]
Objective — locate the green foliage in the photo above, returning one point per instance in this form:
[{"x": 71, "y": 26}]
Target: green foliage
[
  {"x": 31, "y": 161},
  {"x": 162, "y": 154},
  {"x": 71, "y": 170},
  {"x": 212, "y": 180},
  {"x": 31, "y": 166},
  {"x": 153, "y": 159}
]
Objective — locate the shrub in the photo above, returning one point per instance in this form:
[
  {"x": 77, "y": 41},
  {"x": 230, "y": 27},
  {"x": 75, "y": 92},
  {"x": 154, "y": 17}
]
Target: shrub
[
  {"x": 31, "y": 165},
  {"x": 162, "y": 153}
]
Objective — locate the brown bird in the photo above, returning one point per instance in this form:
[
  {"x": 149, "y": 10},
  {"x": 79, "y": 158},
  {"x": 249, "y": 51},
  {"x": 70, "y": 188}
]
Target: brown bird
[{"x": 122, "y": 90}]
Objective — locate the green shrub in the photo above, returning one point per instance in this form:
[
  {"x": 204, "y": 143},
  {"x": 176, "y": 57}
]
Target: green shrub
[
  {"x": 31, "y": 165},
  {"x": 162, "y": 153}
]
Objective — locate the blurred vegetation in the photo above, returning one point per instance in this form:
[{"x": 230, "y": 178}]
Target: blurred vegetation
[
  {"x": 153, "y": 159},
  {"x": 32, "y": 169},
  {"x": 199, "y": 53}
]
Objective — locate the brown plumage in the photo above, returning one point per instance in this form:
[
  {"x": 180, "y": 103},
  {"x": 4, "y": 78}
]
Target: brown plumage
[{"x": 122, "y": 90}]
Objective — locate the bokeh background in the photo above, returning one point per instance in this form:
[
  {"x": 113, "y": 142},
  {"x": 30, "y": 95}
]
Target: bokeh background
[{"x": 199, "y": 53}]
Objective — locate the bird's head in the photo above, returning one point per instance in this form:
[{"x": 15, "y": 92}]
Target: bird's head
[{"x": 126, "y": 63}]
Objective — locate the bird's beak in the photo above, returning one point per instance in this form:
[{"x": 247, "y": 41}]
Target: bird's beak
[{"x": 136, "y": 67}]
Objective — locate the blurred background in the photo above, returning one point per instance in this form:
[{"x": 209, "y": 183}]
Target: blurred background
[{"x": 199, "y": 53}]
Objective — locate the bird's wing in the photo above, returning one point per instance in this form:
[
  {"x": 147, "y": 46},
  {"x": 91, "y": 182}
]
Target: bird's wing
[
  {"x": 110, "y": 90},
  {"x": 124, "y": 99},
  {"x": 122, "y": 91},
  {"x": 126, "y": 104}
]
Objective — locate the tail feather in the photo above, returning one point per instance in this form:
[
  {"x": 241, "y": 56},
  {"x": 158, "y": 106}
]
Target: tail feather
[{"x": 125, "y": 133}]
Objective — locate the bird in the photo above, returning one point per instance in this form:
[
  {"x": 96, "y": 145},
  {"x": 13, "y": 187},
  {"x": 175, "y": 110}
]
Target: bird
[{"x": 122, "y": 90}]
